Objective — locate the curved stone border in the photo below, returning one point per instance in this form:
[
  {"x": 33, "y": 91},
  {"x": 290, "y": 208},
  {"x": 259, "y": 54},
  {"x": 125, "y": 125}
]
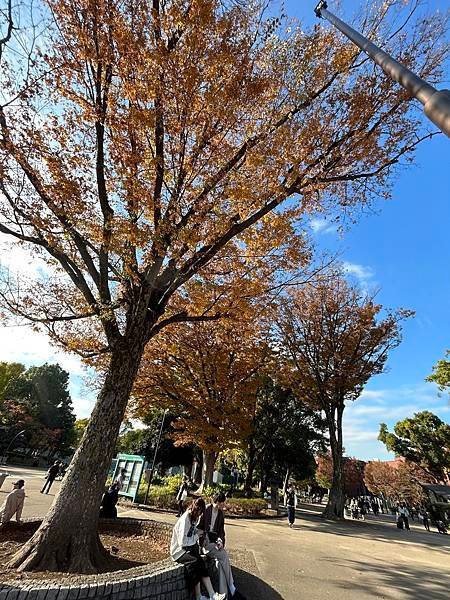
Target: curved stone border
[{"x": 163, "y": 580}]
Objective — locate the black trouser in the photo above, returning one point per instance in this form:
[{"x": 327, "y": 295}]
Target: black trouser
[
  {"x": 49, "y": 484},
  {"x": 291, "y": 513},
  {"x": 194, "y": 565},
  {"x": 406, "y": 522},
  {"x": 180, "y": 508},
  {"x": 426, "y": 524}
]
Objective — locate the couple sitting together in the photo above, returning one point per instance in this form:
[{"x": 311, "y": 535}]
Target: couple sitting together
[{"x": 198, "y": 537}]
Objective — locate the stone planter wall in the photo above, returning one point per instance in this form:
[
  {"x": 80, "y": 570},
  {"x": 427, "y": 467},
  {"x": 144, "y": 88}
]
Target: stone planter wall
[{"x": 163, "y": 580}]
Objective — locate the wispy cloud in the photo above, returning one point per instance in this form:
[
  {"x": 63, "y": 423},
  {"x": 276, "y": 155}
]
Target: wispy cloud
[
  {"x": 322, "y": 226},
  {"x": 22, "y": 344},
  {"x": 19, "y": 261},
  {"x": 361, "y": 272},
  {"x": 362, "y": 418}
]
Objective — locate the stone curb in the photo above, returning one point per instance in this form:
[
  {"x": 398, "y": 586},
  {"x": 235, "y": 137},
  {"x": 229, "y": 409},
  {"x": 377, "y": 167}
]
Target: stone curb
[
  {"x": 166, "y": 511},
  {"x": 163, "y": 580}
]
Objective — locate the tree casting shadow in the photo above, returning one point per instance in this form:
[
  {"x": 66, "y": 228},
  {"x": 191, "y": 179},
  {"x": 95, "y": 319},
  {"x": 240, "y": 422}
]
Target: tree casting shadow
[
  {"x": 414, "y": 582},
  {"x": 252, "y": 587}
]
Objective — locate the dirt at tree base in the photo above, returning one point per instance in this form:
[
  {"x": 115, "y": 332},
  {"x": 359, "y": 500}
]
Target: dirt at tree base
[{"x": 131, "y": 552}]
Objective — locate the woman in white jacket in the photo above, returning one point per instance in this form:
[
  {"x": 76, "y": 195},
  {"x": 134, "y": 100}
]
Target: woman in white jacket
[
  {"x": 13, "y": 504},
  {"x": 184, "y": 549}
]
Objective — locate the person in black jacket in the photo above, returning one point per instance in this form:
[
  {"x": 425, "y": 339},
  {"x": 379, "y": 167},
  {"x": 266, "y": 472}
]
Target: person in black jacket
[
  {"x": 50, "y": 477},
  {"x": 108, "y": 508},
  {"x": 290, "y": 498},
  {"x": 213, "y": 525},
  {"x": 182, "y": 495}
]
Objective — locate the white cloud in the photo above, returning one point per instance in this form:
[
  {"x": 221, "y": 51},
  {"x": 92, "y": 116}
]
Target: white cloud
[
  {"x": 373, "y": 395},
  {"x": 22, "y": 344},
  {"x": 322, "y": 226},
  {"x": 362, "y": 418},
  {"x": 361, "y": 272},
  {"x": 19, "y": 260}
]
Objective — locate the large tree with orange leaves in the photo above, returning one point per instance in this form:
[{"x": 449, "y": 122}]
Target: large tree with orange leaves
[
  {"x": 143, "y": 144},
  {"x": 208, "y": 374},
  {"x": 335, "y": 338}
]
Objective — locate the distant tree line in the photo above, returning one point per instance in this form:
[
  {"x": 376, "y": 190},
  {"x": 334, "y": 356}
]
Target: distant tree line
[{"x": 37, "y": 402}]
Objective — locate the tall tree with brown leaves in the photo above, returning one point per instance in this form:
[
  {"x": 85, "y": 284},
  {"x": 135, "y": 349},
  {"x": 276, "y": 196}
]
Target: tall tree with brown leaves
[
  {"x": 143, "y": 143},
  {"x": 335, "y": 339},
  {"x": 208, "y": 374},
  {"x": 400, "y": 482}
]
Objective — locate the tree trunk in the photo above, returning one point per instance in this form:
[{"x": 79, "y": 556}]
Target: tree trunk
[
  {"x": 209, "y": 461},
  {"x": 336, "y": 499},
  {"x": 67, "y": 539},
  {"x": 263, "y": 483},
  {"x": 250, "y": 469}
]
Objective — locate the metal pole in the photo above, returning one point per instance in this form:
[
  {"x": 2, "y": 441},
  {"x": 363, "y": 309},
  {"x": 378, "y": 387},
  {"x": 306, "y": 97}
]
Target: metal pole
[
  {"x": 150, "y": 477},
  {"x": 436, "y": 103},
  {"x": 15, "y": 437}
]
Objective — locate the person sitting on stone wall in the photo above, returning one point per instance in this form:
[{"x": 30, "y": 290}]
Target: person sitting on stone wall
[{"x": 13, "y": 504}]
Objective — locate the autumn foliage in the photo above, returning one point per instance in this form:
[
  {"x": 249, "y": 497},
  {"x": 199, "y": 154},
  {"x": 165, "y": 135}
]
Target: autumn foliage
[
  {"x": 147, "y": 144},
  {"x": 396, "y": 482},
  {"x": 208, "y": 374},
  {"x": 334, "y": 339}
]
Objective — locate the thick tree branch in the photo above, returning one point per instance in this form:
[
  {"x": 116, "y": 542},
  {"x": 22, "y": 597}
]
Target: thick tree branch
[{"x": 184, "y": 317}]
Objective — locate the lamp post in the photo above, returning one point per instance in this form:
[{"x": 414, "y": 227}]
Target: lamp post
[
  {"x": 14, "y": 438},
  {"x": 150, "y": 477},
  {"x": 436, "y": 103}
]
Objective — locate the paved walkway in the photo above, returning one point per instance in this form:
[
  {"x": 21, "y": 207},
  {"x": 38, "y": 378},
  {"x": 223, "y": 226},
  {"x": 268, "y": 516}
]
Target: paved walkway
[{"x": 316, "y": 560}]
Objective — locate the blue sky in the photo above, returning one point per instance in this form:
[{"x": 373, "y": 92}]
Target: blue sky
[{"x": 402, "y": 248}]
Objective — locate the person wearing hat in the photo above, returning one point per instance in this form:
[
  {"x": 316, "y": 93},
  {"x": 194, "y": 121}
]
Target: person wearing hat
[{"x": 14, "y": 503}]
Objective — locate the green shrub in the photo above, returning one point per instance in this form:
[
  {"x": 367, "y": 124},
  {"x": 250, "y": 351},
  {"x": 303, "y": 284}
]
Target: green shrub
[
  {"x": 159, "y": 496},
  {"x": 245, "y": 506},
  {"x": 172, "y": 482},
  {"x": 211, "y": 490}
]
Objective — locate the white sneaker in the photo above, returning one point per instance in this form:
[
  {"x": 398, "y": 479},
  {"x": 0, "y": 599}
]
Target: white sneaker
[{"x": 218, "y": 596}]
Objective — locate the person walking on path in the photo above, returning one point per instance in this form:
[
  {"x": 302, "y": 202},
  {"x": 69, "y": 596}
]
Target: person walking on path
[
  {"x": 426, "y": 519},
  {"x": 213, "y": 541},
  {"x": 182, "y": 495},
  {"x": 291, "y": 504},
  {"x": 50, "y": 477},
  {"x": 120, "y": 479},
  {"x": 185, "y": 550},
  {"x": 403, "y": 514},
  {"x": 13, "y": 504}
]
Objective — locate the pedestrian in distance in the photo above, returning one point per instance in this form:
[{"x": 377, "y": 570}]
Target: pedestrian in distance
[
  {"x": 51, "y": 475},
  {"x": 426, "y": 519},
  {"x": 13, "y": 504},
  {"x": 120, "y": 479},
  {"x": 402, "y": 516},
  {"x": 290, "y": 499},
  {"x": 182, "y": 495},
  {"x": 441, "y": 527},
  {"x": 212, "y": 524},
  {"x": 185, "y": 550},
  {"x": 108, "y": 508}
]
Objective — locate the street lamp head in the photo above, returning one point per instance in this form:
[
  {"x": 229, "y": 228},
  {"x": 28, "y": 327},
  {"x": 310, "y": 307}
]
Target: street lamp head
[{"x": 318, "y": 9}]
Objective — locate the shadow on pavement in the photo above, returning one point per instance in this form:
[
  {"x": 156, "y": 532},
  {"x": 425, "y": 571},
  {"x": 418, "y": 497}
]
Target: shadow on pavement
[
  {"x": 371, "y": 530},
  {"x": 412, "y": 581},
  {"x": 252, "y": 587}
]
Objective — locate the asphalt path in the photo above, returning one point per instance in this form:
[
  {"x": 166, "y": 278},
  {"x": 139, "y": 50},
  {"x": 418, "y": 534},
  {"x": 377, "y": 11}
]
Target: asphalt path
[{"x": 315, "y": 560}]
